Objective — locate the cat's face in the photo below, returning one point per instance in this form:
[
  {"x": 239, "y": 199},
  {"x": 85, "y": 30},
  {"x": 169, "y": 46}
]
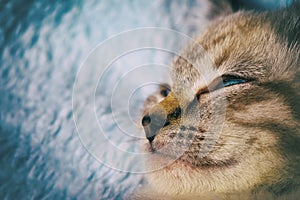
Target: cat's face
[{"x": 230, "y": 121}]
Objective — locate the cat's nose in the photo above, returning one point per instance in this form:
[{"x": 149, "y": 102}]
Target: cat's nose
[{"x": 152, "y": 124}]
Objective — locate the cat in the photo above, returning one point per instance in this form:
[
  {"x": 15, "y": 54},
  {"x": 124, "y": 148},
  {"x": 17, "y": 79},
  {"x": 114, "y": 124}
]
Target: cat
[{"x": 228, "y": 127}]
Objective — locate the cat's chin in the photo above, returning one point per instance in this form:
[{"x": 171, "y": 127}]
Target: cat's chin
[
  {"x": 158, "y": 160},
  {"x": 169, "y": 176},
  {"x": 182, "y": 178},
  {"x": 166, "y": 162},
  {"x": 168, "y": 166}
]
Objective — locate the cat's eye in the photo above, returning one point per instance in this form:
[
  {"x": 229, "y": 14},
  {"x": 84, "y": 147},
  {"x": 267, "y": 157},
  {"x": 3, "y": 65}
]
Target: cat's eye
[
  {"x": 222, "y": 82},
  {"x": 226, "y": 81},
  {"x": 165, "y": 90},
  {"x": 232, "y": 80}
]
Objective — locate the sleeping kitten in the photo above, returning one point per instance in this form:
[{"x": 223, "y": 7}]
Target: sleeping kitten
[{"x": 228, "y": 127}]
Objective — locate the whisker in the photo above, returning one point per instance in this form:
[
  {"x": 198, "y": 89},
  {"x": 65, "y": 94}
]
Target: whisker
[
  {"x": 135, "y": 139},
  {"x": 232, "y": 136},
  {"x": 233, "y": 143}
]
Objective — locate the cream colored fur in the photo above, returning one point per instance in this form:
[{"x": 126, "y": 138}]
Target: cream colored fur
[{"x": 254, "y": 126}]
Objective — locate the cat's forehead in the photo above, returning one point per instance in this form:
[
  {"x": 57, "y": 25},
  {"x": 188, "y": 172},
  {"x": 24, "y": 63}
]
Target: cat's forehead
[
  {"x": 243, "y": 45},
  {"x": 192, "y": 71}
]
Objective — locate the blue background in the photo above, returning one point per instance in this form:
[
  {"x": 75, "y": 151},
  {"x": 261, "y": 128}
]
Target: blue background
[{"x": 42, "y": 45}]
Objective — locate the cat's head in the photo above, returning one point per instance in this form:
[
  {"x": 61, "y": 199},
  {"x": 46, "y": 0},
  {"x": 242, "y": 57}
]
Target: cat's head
[{"x": 230, "y": 121}]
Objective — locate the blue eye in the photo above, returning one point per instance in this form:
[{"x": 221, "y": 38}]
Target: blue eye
[
  {"x": 224, "y": 81},
  {"x": 228, "y": 81}
]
